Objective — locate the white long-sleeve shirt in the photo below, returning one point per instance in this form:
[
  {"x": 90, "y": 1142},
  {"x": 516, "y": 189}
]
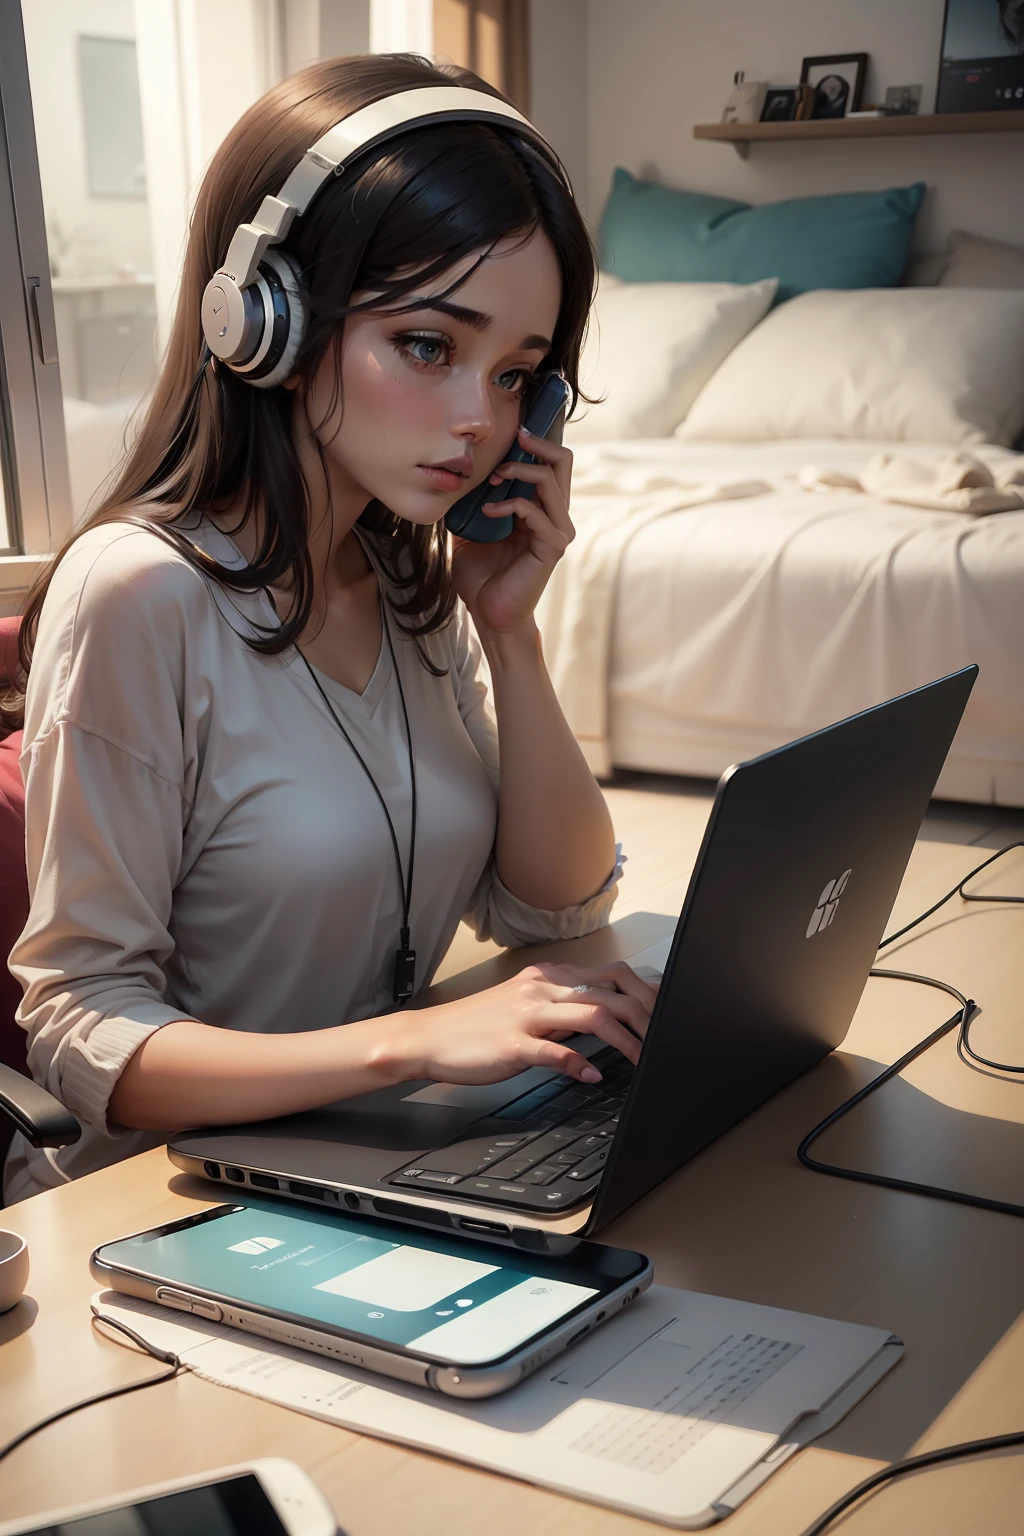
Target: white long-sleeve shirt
[{"x": 201, "y": 841}]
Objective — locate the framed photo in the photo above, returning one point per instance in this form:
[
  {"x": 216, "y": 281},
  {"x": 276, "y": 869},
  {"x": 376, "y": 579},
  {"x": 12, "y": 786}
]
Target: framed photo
[
  {"x": 982, "y": 64},
  {"x": 838, "y": 81},
  {"x": 780, "y": 104}
]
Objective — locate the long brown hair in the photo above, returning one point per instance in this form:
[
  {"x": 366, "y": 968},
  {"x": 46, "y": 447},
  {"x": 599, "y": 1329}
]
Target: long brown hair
[{"x": 432, "y": 197}]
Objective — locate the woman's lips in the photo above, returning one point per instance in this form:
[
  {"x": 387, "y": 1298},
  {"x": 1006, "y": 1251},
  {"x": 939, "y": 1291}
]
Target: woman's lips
[{"x": 444, "y": 479}]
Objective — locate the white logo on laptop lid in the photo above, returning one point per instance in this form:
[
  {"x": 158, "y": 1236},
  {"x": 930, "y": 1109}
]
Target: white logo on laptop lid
[
  {"x": 256, "y": 1245},
  {"x": 828, "y": 901}
]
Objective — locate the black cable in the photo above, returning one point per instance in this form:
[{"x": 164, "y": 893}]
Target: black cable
[
  {"x": 101, "y": 1397},
  {"x": 963, "y": 1018},
  {"x": 968, "y": 1055},
  {"x": 958, "y": 890},
  {"x": 914, "y": 1464}
]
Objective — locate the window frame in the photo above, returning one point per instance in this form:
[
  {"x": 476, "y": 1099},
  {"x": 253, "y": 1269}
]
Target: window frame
[{"x": 32, "y": 438}]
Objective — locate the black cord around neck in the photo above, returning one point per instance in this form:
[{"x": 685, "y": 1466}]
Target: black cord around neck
[{"x": 405, "y": 958}]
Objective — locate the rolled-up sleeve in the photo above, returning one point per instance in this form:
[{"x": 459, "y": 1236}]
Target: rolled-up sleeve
[
  {"x": 107, "y": 775},
  {"x": 493, "y": 912},
  {"x": 103, "y": 845}
]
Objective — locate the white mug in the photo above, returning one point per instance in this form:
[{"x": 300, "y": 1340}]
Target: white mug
[{"x": 13, "y": 1269}]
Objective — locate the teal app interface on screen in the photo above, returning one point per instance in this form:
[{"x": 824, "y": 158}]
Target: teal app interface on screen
[{"x": 449, "y": 1304}]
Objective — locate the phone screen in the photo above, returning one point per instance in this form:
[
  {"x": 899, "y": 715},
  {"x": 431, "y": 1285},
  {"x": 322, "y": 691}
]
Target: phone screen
[
  {"x": 237, "y": 1506},
  {"x": 453, "y": 1301}
]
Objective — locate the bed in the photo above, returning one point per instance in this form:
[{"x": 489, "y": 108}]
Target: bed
[
  {"x": 733, "y": 585},
  {"x": 742, "y": 623}
]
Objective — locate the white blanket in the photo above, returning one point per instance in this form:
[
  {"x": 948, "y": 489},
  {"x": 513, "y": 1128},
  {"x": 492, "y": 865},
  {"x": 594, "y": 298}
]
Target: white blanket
[
  {"x": 575, "y": 614},
  {"x": 960, "y": 482},
  {"x": 710, "y": 608}
]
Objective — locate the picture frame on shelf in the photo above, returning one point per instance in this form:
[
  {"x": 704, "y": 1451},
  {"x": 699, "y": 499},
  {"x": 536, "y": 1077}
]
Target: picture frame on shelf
[
  {"x": 838, "y": 81},
  {"x": 902, "y": 101},
  {"x": 981, "y": 68},
  {"x": 780, "y": 104}
]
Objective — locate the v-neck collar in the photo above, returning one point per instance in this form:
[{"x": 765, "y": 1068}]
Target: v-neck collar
[{"x": 364, "y": 703}]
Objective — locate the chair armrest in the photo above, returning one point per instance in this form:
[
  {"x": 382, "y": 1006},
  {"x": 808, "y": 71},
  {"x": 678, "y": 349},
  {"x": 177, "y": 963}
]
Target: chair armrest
[{"x": 39, "y": 1117}]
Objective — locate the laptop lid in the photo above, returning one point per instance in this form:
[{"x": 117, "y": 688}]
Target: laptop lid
[{"x": 801, "y": 861}]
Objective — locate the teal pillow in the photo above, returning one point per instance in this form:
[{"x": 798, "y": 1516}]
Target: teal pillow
[{"x": 650, "y": 234}]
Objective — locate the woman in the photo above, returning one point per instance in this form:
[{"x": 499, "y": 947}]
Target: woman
[{"x": 254, "y": 689}]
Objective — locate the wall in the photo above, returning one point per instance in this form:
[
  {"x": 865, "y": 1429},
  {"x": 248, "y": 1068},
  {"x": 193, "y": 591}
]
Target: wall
[
  {"x": 656, "y": 67},
  {"x": 558, "y": 83},
  {"x": 105, "y": 231}
]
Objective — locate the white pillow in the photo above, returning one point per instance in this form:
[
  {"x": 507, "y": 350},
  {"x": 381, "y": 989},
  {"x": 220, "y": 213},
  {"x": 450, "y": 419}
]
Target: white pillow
[
  {"x": 934, "y": 364},
  {"x": 652, "y": 347}
]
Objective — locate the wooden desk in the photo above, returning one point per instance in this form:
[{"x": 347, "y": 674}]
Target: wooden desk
[{"x": 743, "y": 1219}]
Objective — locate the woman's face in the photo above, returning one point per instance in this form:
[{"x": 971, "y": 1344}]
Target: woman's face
[{"x": 438, "y": 384}]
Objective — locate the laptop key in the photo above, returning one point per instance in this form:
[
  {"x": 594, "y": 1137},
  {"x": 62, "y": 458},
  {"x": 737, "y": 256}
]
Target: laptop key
[
  {"x": 522, "y": 1109},
  {"x": 510, "y": 1167},
  {"x": 590, "y": 1165},
  {"x": 580, "y": 1123},
  {"x": 567, "y": 1159},
  {"x": 546, "y": 1146},
  {"x": 546, "y": 1173},
  {"x": 428, "y": 1176}
]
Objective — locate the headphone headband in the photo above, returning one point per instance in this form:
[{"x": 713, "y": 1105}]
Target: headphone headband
[
  {"x": 331, "y": 153},
  {"x": 253, "y": 309}
]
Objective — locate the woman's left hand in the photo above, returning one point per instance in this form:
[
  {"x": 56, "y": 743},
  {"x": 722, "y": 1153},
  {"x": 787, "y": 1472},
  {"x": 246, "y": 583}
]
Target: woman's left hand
[{"x": 501, "y": 583}]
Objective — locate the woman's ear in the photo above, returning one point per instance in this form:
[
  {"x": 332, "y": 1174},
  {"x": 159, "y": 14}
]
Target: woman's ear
[{"x": 292, "y": 382}]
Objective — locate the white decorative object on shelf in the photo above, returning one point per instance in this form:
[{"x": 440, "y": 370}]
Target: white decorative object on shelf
[{"x": 745, "y": 100}]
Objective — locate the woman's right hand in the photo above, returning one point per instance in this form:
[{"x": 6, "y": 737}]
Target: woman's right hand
[{"x": 493, "y": 1035}]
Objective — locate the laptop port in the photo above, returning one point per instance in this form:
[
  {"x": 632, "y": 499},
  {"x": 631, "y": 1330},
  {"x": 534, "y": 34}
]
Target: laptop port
[
  {"x": 263, "y": 1181},
  {"x": 309, "y": 1191},
  {"x": 212, "y": 1170},
  {"x": 411, "y": 1212},
  {"x": 578, "y": 1335},
  {"x": 351, "y": 1200},
  {"x": 492, "y": 1228},
  {"x": 235, "y": 1175}
]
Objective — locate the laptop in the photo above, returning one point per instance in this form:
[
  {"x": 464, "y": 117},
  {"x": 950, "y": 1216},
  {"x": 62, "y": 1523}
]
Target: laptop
[{"x": 800, "y": 864}]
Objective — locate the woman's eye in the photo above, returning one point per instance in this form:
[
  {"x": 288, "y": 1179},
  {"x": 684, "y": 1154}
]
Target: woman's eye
[
  {"x": 430, "y": 350},
  {"x": 436, "y": 352},
  {"x": 520, "y": 375}
]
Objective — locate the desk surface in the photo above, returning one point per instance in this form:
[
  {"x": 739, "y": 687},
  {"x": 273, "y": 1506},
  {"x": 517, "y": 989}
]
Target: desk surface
[{"x": 743, "y": 1219}]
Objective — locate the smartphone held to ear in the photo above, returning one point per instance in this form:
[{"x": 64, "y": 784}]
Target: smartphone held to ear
[{"x": 544, "y": 417}]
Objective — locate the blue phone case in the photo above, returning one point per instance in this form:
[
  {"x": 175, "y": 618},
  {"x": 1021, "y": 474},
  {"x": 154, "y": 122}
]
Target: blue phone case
[{"x": 543, "y": 418}]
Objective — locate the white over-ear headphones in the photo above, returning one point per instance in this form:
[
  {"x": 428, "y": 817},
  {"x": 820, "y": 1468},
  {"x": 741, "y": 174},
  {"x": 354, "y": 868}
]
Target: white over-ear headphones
[{"x": 254, "y": 308}]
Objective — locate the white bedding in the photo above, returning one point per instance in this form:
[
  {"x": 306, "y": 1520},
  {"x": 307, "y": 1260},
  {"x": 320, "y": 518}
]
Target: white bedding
[{"x": 735, "y": 625}]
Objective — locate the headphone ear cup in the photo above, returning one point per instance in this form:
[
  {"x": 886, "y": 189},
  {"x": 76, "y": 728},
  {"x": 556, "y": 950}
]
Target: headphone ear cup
[{"x": 285, "y": 280}]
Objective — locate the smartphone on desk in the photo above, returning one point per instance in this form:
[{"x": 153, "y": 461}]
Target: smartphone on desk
[
  {"x": 544, "y": 417},
  {"x": 465, "y": 1318},
  {"x": 267, "y": 1497}
]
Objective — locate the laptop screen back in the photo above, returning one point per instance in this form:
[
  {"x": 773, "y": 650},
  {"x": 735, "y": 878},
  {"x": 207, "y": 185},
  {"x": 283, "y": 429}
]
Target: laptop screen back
[{"x": 801, "y": 862}]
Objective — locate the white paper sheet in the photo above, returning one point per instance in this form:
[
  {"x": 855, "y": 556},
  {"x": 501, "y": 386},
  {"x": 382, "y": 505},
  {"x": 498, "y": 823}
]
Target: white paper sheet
[{"x": 674, "y": 1410}]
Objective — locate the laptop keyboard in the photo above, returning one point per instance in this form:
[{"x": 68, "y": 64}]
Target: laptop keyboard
[{"x": 545, "y": 1150}]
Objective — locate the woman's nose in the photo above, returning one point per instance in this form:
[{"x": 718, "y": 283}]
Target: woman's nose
[{"x": 473, "y": 415}]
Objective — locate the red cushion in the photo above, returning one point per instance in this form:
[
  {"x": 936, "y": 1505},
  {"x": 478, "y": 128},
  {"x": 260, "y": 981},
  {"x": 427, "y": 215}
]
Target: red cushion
[
  {"x": 13, "y": 883},
  {"x": 13, "y": 895}
]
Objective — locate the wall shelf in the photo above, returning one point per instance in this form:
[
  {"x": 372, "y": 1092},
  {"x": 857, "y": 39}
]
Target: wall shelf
[{"x": 742, "y": 135}]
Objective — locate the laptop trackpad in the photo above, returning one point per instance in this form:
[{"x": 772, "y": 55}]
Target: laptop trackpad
[
  {"x": 483, "y": 1099},
  {"x": 489, "y": 1096}
]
